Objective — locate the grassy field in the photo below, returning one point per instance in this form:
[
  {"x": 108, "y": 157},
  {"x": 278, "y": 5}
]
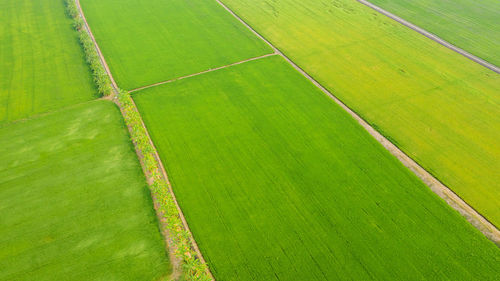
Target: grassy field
[
  {"x": 471, "y": 25},
  {"x": 42, "y": 66},
  {"x": 278, "y": 183},
  {"x": 75, "y": 205},
  {"x": 146, "y": 42},
  {"x": 439, "y": 107}
]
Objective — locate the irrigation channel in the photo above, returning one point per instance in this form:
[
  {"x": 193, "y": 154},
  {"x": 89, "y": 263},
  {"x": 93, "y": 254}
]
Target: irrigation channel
[{"x": 432, "y": 36}]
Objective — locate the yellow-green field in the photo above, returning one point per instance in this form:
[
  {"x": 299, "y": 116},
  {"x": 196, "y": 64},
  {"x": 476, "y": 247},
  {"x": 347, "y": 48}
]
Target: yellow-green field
[
  {"x": 42, "y": 66},
  {"x": 437, "y": 106}
]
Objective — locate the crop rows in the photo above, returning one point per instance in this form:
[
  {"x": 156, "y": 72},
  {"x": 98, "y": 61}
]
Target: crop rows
[
  {"x": 437, "y": 106},
  {"x": 275, "y": 180},
  {"x": 42, "y": 67},
  {"x": 279, "y": 183},
  {"x": 471, "y": 25}
]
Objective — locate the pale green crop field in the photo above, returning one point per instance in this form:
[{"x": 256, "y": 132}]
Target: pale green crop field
[
  {"x": 469, "y": 24},
  {"x": 439, "y": 107},
  {"x": 42, "y": 66},
  {"x": 146, "y": 42},
  {"x": 277, "y": 182},
  {"x": 74, "y": 201}
]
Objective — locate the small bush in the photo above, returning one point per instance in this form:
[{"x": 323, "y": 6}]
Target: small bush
[
  {"x": 193, "y": 268},
  {"x": 99, "y": 74}
]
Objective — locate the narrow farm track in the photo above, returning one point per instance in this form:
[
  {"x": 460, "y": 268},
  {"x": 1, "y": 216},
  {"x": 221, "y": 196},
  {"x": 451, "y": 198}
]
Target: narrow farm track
[
  {"x": 201, "y": 72},
  {"x": 101, "y": 57},
  {"x": 457, "y": 203},
  {"x": 432, "y": 37},
  {"x": 175, "y": 261}
]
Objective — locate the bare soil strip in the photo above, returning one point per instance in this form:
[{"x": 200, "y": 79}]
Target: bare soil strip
[
  {"x": 432, "y": 36},
  {"x": 202, "y": 72},
  {"x": 475, "y": 218},
  {"x": 175, "y": 261}
]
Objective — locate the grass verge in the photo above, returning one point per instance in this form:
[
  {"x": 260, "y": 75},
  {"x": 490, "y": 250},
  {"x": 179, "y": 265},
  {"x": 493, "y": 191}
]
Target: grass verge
[
  {"x": 99, "y": 74},
  {"x": 192, "y": 267}
]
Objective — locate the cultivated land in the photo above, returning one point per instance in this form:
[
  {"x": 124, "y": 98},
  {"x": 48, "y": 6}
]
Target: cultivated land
[
  {"x": 75, "y": 205},
  {"x": 439, "y": 107},
  {"x": 471, "y": 25},
  {"x": 146, "y": 42},
  {"x": 277, "y": 182},
  {"x": 42, "y": 66}
]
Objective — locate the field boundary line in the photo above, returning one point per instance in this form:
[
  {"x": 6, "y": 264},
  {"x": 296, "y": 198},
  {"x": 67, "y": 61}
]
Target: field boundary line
[
  {"x": 176, "y": 261},
  {"x": 202, "y": 72},
  {"x": 170, "y": 189},
  {"x": 449, "y": 196},
  {"x": 101, "y": 57},
  {"x": 431, "y": 36},
  {"x": 50, "y": 112}
]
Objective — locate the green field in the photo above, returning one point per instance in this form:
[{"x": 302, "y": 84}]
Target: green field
[
  {"x": 277, "y": 182},
  {"x": 145, "y": 42},
  {"x": 75, "y": 205},
  {"x": 436, "y": 105},
  {"x": 471, "y": 25},
  {"x": 42, "y": 66}
]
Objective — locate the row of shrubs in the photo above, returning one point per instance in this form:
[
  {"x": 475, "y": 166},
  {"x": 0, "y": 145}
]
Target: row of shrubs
[
  {"x": 193, "y": 268},
  {"x": 99, "y": 74}
]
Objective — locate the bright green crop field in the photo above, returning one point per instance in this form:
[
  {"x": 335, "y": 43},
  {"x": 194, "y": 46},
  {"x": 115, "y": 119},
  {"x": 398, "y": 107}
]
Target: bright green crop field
[
  {"x": 439, "y": 107},
  {"x": 42, "y": 66},
  {"x": 277, "y": 182},
  {"x": 145, "y": 42},
  {"x": 74, "y": 200},
  {"x": 469, "y": 24}
]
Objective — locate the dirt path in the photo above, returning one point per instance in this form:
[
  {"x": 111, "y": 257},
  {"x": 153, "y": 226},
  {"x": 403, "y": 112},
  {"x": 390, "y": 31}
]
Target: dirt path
[
  {"x": 174, "y": 260},
  {"x": 101, "y": 57},
  {"x": 202, "y": 72},
  {"x": 476, "y": 219},
  {"x": 432, "y": 36}
]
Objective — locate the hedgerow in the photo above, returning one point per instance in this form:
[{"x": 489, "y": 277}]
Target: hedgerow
[
  {"x": 193, "y": 268},
  {"x": 99, "y": 74}
]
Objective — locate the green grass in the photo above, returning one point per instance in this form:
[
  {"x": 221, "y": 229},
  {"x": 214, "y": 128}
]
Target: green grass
[
  {"x": 436, "y": 105},
  {"x": 277, "y": 182},
  {"x": 145, "y": 42},
  {"x": 75, "y": 205},
  {"x": 471, "y": 25},
  {"x": 42, "y": 66}
]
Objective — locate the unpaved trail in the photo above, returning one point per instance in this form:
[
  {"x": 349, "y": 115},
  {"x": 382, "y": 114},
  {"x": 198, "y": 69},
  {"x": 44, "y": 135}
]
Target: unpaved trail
[
  {"x": 457, "y": 203},
  {"x": 201, "y": 72},
  {"x": 101, "y": 57},
  {"x": 174, "y": 260},
  {"x": 432, "y": 36}
]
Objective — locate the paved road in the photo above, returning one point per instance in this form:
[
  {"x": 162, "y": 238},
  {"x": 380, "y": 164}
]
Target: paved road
[{"x": 432, "y": 36}]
